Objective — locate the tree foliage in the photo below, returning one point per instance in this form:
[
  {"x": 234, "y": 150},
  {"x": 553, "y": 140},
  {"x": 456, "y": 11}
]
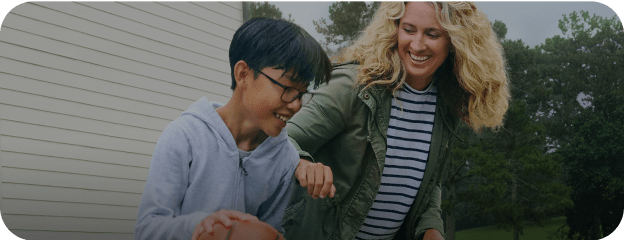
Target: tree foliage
[
  {"x": 348, "y": 20},
  {"x": 594, "y": 159},
  {"x": 266, "y": 10},
  {"x": 586, "y": 64},
  {"x": 508, "y": 173},
  {"x": 500, "y": 29},
  {"x": 516, "y": 181}
]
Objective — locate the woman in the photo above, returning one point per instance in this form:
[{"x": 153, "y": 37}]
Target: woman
[{"x": 379, "y": 131}]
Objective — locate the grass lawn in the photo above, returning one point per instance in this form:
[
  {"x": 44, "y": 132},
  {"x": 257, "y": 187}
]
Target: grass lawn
[{"x": 531, "y": 232}]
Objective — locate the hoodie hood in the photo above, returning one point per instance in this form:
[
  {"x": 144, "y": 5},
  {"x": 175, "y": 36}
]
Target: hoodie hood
[{"x": 204, "y": 110}]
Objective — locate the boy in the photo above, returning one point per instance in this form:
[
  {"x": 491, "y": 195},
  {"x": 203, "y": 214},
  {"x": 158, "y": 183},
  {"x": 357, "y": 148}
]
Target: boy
[{"x": 217, "y": 163}]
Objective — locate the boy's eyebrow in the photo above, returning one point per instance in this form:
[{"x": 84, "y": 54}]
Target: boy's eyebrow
[
  {"x": 289, "y": 76},
  {"x": 286, "y": 75}
]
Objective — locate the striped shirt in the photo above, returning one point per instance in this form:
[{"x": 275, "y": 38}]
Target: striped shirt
[{"x": 408, "y": 137}]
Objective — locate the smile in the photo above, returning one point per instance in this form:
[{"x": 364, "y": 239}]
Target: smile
[
  {"x": 280, "y": 117},
  {"x": 419, "y": 58}
]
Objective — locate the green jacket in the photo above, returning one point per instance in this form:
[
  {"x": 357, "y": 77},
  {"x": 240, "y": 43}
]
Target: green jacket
[{"x": 344, "y": 127}]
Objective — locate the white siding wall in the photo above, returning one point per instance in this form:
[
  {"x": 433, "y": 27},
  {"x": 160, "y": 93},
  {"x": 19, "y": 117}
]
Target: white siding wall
[{"x": 85, "y": 90}]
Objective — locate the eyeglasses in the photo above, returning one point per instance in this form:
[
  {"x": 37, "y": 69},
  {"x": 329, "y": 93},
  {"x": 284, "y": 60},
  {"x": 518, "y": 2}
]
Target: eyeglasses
[{"x": 290, "y": 94}]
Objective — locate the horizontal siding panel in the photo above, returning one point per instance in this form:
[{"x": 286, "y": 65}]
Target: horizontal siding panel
[
  {"x": 46, "y": 45},
  {"x": 83, "y": 110},
  {"x": 46, "y": 208},
  {"x": 55, "y": 179},
  {"x": 222, "y": 9},
  {"x": 75, "y": 166},
  {"x": 71, "y": 235},
  {"x": 64, "y": 20},
  {"x": 47, "y": 193},
  {"x": 236, "y": 5},
  {"x": 24, "y": 130},
  {"x": 29, "y": 56},
  {"x": 22, "y": 84},
  {"x": 50, "y": 119},
  {"x": 99, "y": 17},
  {"x": 61, "y": 150},
  {"x": 91, "y": 84},
  {"x": 85, "y": 91},
  {"x": 13, "y": 21},
  {"x": 186, "y": 19},
  {"x": 206, "y": 14},
  {"x": 67, "y": 224},
  {"x": 161, "y": 23}
]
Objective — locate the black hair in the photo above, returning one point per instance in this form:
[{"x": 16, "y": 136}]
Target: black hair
[{"x": 264, "y": 42}]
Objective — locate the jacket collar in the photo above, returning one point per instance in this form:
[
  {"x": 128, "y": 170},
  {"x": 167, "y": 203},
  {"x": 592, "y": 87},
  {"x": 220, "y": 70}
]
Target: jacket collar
[{"x": 377, "y": 94}]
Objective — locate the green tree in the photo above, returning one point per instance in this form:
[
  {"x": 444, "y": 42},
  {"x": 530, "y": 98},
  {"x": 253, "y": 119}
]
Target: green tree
[
  {"x": 508, "y": 174},
  {"x": 586, "y": 64},
  {"x": 456, "y": 178},
  {"x": 595, "y": 166},
  {"x": 517, "y": 181},
  {"x": 348, "y": 20},
  {"x": 267, "y": 10},
  {"x": 500, "y": 29}
]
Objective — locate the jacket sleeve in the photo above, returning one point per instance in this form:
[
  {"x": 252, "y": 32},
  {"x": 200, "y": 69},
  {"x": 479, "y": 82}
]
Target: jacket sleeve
[
  {"x": 159, "y": 212},
  {"x": 273, "y": 209},
  {"x": 432, "y": 217},
  {"x": 326, "y": 113}
]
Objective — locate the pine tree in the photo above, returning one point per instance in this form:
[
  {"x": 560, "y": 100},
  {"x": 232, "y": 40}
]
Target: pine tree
[
  {"x": 348, "y": 20},
  {"x": 266, "y": 10}
]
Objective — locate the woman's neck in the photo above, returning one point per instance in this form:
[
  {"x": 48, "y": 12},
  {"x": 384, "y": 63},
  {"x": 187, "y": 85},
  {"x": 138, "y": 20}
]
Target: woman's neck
[{"x": 419, "y": 84}]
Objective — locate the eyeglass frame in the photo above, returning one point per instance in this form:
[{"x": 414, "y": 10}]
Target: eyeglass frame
[{"x": 298, "y": 96}]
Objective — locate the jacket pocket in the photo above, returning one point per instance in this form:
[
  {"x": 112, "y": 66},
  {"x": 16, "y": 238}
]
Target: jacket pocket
[{"x": 293, "y": 211}]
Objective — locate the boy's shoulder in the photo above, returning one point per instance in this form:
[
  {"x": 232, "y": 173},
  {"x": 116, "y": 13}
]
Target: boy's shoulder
[{"x": 289, "y": 156}]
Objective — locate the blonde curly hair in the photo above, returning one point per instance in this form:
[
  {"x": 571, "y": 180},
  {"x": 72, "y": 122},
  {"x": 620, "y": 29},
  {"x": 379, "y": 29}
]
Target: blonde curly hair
[{"x": 472, "y": 80}]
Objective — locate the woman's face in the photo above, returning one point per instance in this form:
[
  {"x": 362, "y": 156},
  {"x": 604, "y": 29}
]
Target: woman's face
[{"x": 423, "y": 44}]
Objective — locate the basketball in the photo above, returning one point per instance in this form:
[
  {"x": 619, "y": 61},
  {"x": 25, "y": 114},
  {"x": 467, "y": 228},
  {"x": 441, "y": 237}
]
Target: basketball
[{"x": 244, "y": 230}]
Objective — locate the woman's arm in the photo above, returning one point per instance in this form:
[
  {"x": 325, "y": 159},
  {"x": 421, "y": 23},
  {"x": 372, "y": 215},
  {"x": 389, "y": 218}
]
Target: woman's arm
[
  {"x": 320, "y": 120},
  {"x": 431, "y": 219}
]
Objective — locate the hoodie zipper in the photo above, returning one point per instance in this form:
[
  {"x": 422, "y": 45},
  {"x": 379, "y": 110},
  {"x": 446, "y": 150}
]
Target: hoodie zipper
[
  {"x": 240, "y": 164},
  {"x": 237, "y": 182}
]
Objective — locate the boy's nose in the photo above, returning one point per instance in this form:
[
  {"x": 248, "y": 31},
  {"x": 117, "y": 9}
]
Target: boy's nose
[{"x": 294, "y": 106}]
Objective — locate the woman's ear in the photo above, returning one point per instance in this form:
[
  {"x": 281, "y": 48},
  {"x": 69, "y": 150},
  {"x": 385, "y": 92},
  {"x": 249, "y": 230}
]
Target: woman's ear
[{"x": 242, "y": 73}]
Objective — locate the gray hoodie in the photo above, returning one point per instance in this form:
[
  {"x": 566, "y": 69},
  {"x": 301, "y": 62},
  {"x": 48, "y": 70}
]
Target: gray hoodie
[{"x": 196, "y": 170}]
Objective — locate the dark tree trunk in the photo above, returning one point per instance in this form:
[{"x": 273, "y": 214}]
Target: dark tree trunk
[
  {"x": 595, "y": 225},
  {"x": 514, "y": 186},
  {"x": 450, "y": 217}
]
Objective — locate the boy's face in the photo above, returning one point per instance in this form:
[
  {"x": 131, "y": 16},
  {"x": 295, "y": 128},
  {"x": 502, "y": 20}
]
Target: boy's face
[{"x": 264, "y": 100}]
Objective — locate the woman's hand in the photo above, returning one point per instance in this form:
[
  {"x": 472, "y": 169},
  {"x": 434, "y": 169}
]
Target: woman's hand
[
  {"x": 317, "y": 178},
  {"x": 432, "y": 234},
  {"x": 224, "y": 217}
]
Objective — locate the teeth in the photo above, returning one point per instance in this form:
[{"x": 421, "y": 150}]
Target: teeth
[
  {"x": 418, "y": 58},
  {"x": 284, "y": 119}
]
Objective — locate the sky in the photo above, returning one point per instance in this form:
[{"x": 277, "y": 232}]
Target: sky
[{"x": 532, "y": 22}]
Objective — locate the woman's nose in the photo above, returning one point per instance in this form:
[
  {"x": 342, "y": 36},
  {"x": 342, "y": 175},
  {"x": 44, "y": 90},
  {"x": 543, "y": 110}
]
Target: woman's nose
[{"x": 418, "y": 43}]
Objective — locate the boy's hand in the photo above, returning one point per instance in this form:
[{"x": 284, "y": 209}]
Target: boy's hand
[
  {"x": 317, "y": 178},
  {"x": 224, "y": 217}
]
